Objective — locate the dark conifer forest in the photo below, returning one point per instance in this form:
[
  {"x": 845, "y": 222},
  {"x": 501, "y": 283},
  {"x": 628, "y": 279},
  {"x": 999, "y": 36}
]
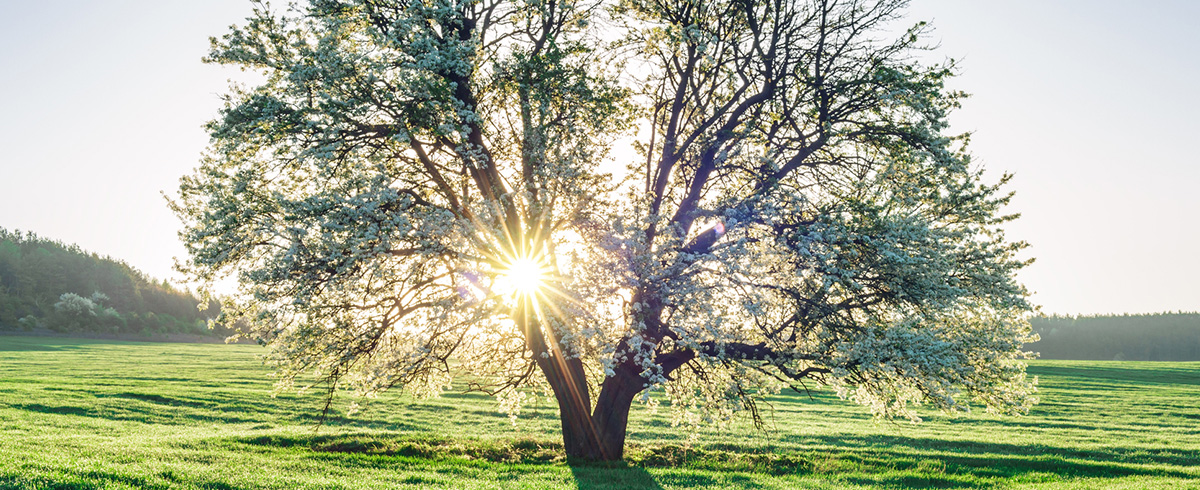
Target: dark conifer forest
[
  {"x": 1151, "y": 337},
  {"x": 47, "y": 286}
]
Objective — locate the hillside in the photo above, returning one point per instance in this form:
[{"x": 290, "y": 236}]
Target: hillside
[{"x": 49, "y": 285}]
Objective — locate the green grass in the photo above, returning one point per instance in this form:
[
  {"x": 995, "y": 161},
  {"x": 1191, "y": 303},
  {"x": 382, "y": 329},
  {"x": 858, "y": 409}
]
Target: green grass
[{"x": 107, "y": 414}]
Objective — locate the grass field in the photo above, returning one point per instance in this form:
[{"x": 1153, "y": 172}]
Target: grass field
[{"x": 108, "y": 414}]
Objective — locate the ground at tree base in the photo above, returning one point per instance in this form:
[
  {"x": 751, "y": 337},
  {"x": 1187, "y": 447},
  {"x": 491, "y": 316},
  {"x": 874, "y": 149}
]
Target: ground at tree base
[{"x": 107, "y": 414}]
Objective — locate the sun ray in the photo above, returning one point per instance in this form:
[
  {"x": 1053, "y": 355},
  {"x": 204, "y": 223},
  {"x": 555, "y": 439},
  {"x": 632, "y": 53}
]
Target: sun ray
[{"x": 525, "y": 274}]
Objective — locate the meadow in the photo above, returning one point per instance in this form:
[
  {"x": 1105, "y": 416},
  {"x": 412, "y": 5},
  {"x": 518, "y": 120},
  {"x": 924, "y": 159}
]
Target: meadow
[{"x": 108, "y": 414}]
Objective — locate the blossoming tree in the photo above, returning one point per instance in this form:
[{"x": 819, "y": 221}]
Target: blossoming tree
[{"x": 603, "y": 199}]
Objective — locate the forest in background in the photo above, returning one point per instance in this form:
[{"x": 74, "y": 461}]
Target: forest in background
[
  {"x": 46, "y": 285},
  {"x": 1151, "y": 337}
]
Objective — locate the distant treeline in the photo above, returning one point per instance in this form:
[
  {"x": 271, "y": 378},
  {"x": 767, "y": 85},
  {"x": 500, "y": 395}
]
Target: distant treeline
[
  {"x": 1153, "y": 337},
  {"x": 48, "y": 285}
]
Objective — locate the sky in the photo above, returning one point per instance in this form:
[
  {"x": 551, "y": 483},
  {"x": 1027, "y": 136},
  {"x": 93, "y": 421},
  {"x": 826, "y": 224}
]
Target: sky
[{"x": 1091, "y": 104}]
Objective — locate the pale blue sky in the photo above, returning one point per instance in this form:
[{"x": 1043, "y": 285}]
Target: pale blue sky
[{"x": 1092, "y": 104}]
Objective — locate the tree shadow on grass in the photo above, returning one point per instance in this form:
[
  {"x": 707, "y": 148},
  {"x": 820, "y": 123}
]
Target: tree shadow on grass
[
  {"x": 180, "y": 410},
  {"x": 77, "y": 480},
  {"x": 1120, "y": 375},
  {"x": 96, "y": 479},
  {"x": 876, "y": 460},
  {"x": 16, "y": 347},
  {"x": 440, "y": 454},
  {"x": 613, "y": 476},
  {"x": 414, "y": 445},
  {"x": 991, "y": 460},
  {"x": 145, "y": 415}
]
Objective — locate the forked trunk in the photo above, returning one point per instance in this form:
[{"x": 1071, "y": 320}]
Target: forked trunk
[
  {"x": 599, "y": 435},
  {"x": 611, "y": 416},
  {"x": 566, "y": 378},
  {"x": 582, "y": 438}
]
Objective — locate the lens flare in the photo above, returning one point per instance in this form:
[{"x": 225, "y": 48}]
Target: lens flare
[{"x": 525, "y": 275}]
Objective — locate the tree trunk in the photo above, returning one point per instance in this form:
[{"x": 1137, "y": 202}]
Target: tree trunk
[
  {"x": 566, "y": 378},
  {"x": 599, "y": 436},
  {"x": 611, "y": 416},
  {"x": 582, "y": 437},
  {"x": 593, "y": 434}
]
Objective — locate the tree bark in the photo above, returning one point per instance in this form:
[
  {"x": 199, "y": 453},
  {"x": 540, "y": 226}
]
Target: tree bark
[
  {"x": 592, "y": 434},
  {"x": 600, "y": 435},
  {"x": 611, "y": 415},
  {"x": 568, "y": 381},
  {"x": 566, "y": 378}
]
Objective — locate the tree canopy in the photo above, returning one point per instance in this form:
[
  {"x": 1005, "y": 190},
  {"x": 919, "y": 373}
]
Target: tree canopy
[{"x": 607, "y": 199}]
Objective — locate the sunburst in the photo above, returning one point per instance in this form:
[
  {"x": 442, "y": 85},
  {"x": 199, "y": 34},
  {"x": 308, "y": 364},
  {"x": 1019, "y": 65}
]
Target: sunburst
[
  {"x": 526, "y": 275},
  {"x": 523, "y": 276}
]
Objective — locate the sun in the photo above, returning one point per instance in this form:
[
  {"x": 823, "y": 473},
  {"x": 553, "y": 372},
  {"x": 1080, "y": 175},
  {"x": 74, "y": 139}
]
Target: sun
[{"x": 525, "y": 275}]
